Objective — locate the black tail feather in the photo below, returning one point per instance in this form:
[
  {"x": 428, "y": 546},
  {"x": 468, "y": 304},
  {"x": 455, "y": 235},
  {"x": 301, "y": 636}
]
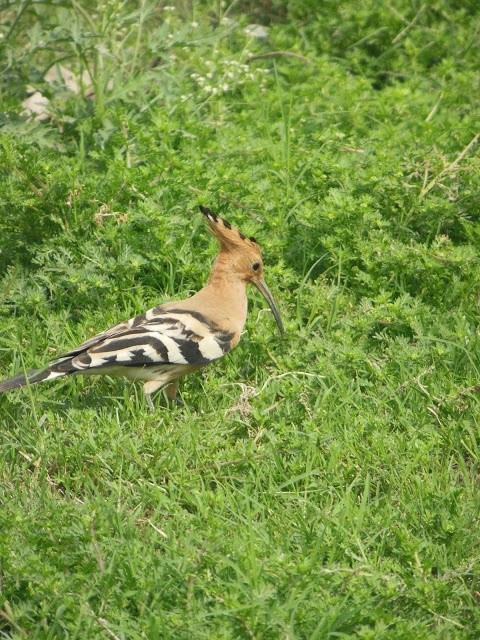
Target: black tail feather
[
  {"x": 35, "y": 375},
  {"x": 22, "y": 379}
]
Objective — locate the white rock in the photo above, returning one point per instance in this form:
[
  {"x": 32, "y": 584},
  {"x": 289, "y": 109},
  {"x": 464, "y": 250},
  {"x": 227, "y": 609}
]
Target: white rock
[{"x": 256, "y": 31}]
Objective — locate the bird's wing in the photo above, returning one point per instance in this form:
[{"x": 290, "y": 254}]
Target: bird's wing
[{"x": 159, "y": 336}]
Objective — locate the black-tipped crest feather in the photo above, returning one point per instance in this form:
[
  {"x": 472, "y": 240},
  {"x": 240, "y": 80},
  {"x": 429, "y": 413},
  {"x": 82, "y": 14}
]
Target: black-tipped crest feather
[
  {"x": 208, "y": 213},
  {"x": 215, "y": 219}
]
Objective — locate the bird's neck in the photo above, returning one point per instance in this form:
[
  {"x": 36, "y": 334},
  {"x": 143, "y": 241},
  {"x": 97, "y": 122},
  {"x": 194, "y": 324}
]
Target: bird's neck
[{"x": 225, "y": 296}]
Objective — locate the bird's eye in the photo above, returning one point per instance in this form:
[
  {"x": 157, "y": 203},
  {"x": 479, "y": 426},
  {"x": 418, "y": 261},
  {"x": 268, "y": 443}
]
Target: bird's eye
[{"x": 256, "y": 266}]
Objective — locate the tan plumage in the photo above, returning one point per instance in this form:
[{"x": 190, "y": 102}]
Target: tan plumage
[{"x": 175, "y": 338}]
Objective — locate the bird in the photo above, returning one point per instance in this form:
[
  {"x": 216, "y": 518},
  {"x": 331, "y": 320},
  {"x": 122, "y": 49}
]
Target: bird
[{"x": 178, "y": 337}]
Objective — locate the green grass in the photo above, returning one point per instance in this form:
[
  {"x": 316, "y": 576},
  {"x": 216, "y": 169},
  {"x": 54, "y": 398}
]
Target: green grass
[{"x": 323, "y": 485}]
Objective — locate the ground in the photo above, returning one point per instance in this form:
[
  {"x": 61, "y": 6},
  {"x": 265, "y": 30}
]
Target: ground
[{"x": 320, "y": 485}]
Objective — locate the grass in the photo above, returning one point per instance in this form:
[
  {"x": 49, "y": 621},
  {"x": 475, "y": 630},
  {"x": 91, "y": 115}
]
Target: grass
[{"x": 324, "y": 485}]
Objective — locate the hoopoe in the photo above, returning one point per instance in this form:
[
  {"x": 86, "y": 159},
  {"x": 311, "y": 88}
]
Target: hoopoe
[{"x": 175, "y": 338}]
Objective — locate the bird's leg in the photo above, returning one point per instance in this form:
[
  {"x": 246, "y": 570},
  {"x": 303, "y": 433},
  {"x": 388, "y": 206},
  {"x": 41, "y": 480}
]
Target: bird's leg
[
  {"x": 149, "y": 388},
  {"x": 150, "y": 404},
  {"x": 171, "y": 393}
]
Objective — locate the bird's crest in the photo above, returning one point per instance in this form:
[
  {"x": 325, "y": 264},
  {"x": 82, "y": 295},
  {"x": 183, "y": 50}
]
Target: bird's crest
[{"x": 228, "y": 236}]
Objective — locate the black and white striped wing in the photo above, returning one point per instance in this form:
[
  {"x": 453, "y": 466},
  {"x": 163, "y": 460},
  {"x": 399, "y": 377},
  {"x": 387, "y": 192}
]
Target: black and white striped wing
[{"x": 167, "y": 337}]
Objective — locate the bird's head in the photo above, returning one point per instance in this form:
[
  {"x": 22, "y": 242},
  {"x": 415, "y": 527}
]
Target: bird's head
[{"x": 243, "y": 256}]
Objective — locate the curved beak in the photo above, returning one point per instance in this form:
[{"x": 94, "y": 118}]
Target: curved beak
[{"x": 265, "y": 291}]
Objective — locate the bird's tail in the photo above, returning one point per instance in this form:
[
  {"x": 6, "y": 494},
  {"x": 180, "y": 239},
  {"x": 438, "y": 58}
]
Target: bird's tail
[{"x": 55, "y": 370}]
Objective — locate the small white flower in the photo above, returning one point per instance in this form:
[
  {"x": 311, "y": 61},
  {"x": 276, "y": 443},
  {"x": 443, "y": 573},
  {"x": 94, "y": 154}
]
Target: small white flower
[
  {"x": 194, "y": 24},
  {"x": 228, "y": 22}
]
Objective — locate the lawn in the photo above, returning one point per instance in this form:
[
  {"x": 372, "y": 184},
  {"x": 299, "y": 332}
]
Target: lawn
[{"x": 324, "y": 484}]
